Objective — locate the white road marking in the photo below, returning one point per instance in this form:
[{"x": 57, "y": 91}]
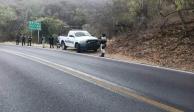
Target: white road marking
[
  {"x": 97, "y": 81},
  {"x": 117, "y": 60}
]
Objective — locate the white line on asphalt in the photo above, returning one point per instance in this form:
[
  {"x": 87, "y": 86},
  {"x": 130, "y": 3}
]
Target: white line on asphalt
[
  {"x": 117, "y": 60},
  {"x": 130, "y": 62},
  {"x": 97, "y": 81}
]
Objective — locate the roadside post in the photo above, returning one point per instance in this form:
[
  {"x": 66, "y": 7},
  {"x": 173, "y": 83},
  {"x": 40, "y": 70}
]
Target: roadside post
[
  {"x": 35, "y": 26},
  {"x": 39, "y": 36}
]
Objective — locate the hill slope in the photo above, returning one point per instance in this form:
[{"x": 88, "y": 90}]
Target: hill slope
[{"x": 169, "y": 47}]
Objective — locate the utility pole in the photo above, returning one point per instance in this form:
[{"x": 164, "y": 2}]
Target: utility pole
[
  {"x": 31, "y": 33},
  {"x": 38, "y": 36}
]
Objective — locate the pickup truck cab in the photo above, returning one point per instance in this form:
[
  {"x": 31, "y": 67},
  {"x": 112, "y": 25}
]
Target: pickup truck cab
[{"x": 80, "y": 40}]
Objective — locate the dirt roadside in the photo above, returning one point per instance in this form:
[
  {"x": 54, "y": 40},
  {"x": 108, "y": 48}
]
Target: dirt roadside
[{"x": 171, "y": 47}]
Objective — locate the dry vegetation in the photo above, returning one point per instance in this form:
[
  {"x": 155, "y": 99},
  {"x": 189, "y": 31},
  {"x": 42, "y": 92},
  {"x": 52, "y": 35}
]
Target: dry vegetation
[
  {"x": 169, "y": 47},
  {"x": 167, "y": 40}
]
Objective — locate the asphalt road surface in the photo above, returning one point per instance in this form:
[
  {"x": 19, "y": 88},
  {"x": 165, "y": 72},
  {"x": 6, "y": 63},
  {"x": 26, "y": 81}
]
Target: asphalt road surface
[{"x": 41, "y": 80}]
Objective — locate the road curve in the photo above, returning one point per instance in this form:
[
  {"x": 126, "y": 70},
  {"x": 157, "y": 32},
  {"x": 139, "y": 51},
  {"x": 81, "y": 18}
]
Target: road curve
[{"x": 38, "y": 87}]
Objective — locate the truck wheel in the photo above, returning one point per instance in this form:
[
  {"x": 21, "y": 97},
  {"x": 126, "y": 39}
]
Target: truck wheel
[
  {"x": 64, "y": 47},
  {"x": 78, "y": 48}
]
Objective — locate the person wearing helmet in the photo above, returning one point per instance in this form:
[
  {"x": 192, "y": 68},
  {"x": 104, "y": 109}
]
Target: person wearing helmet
[{"x": 103, "y": 41}]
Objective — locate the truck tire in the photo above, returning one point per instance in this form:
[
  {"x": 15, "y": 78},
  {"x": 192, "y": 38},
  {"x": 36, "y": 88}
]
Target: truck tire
[
  {"x": 64, "y": 47},
  {"x": 78, "y": 48}
]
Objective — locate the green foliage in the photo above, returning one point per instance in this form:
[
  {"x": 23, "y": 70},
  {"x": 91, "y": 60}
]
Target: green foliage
[
  {"x": 179, "y": 4},
  {"x": 7, "y": 20},
  {"x": 78, "y": 18},
  {"x": 50, "y": 26},
  {"x": 7, "y": 14},
  {"x": 111, "y": 16}
]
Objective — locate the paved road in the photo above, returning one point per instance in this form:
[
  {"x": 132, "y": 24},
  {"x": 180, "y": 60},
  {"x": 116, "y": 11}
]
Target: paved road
[{"x": 26, "y": 85}]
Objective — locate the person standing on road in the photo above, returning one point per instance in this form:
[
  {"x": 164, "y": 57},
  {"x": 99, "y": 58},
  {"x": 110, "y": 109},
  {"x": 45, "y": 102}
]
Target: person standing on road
[
  {"x": 23, "y": 40},
  {"x": 58, "y": 43},
  {"x": 29, "y": 40},
  {"x": 103, "y": 41},
  {"x": 51, "y": 41},
  {"x": 43, "y": 41},
  {"x": 18, "y": 39}
]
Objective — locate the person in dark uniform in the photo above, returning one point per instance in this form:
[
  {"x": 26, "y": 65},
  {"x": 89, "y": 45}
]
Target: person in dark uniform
[
  {"x": 51, "y": 41},
  {"x": 29, "y": 40},
  {"x": 58, "y": 43},
  {"x": 23, "y": 40},
  {"x": 18, "y": 39},
  {"x": 103, "y": 41}
]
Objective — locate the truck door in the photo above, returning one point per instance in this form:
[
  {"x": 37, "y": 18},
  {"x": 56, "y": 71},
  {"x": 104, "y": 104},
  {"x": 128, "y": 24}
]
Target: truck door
[
  {"x": 71, "y": 41},
  {"x": 67, "y": 41}
]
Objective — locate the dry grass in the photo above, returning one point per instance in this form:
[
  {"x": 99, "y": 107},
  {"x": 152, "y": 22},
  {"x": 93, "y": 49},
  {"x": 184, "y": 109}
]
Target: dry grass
[{"x": 166, "y": 48}]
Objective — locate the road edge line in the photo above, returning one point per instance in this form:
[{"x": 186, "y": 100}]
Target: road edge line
[
  {"x": 117, "y": 60},
  {"x": 97, "y": 81}
]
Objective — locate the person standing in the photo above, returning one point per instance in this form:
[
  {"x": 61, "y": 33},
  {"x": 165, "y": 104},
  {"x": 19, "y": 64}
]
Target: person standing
[
  {"x": 51, "y": 41},
  {"x": 58, "y": 43},
  {"x": 23, "y": 40},
  {"x": 29, "y": 40},
  {"x": 17, "y": 39},
  {"x": 43, "y": 41},
  {"x": 103, "y": 40}
]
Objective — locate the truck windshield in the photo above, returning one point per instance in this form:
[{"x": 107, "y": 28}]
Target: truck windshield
[{"x": 81, "y": 34}]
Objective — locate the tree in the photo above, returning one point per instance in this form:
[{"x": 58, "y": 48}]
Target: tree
[
  {"x": 7, "y": 18},
  {"x": 50, "y": 26}
]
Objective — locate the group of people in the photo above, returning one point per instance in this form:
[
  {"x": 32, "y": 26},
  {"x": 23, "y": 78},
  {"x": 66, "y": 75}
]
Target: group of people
[
  {"x": 51, "y": 41},
  {"x": 23, "y": 39}
]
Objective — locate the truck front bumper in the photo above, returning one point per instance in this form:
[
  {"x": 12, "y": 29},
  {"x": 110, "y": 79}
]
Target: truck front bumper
[{"x": 90, "y": 45}]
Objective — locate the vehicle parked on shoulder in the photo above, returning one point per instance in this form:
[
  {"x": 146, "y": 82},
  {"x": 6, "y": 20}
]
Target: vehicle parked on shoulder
[{"x": 80, "y": 40}]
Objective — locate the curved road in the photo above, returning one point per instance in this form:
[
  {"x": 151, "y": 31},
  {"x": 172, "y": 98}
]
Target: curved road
[{"x": 37, "y": 80}]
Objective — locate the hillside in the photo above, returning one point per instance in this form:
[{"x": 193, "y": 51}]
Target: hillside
[{"x": 169, "y": 47}]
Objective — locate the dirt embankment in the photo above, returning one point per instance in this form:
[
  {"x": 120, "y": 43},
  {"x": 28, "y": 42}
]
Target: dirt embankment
[{"x": 170, "y": 47}]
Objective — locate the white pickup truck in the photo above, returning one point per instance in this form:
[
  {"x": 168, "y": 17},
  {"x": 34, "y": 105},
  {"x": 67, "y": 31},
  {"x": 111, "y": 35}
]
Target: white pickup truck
[{"x": 79, "y": 39}]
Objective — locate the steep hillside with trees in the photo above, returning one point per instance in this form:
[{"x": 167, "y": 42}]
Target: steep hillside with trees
[{"x": 162, "y": 34}]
